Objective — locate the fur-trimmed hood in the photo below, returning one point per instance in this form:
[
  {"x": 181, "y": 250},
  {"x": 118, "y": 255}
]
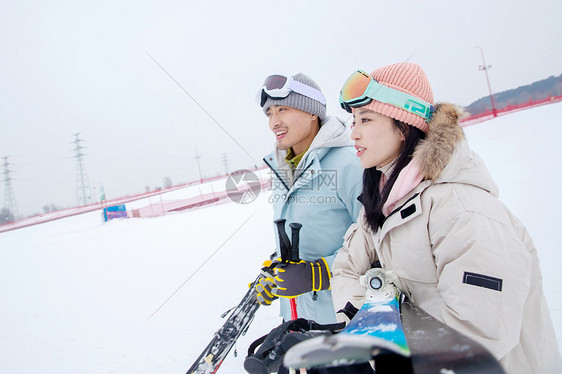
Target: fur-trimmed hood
[{"x": 444, "y": 155}]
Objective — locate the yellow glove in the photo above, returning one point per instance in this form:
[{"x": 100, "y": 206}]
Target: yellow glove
[
  {"x": 265, "y": 285},
  {"x": 264, "y": 288}
]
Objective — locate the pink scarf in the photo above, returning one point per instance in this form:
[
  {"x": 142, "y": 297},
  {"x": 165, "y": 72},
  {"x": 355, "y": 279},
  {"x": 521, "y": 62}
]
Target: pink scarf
[{"x": 407, "y": 180}]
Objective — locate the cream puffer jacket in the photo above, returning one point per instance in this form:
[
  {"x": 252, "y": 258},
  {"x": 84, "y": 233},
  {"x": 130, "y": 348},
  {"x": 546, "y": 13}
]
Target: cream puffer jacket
[{"x": 456, "y": 251}]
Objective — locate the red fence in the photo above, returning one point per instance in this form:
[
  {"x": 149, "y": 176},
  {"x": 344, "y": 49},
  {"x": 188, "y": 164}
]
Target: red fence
[
  {"x": 69, "y": 212},
  {"x": 489, "y": 114}
]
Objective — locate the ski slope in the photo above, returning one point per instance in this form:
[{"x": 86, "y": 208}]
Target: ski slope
[{"x": 145, "y": 295}]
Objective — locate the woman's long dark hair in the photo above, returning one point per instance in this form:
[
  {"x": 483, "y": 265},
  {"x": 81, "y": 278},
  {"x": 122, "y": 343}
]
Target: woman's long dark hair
[{"x": 371, "y": 197}]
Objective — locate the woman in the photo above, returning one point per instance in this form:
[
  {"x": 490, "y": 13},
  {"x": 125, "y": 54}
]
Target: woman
[{"x": 432, "y": 219}]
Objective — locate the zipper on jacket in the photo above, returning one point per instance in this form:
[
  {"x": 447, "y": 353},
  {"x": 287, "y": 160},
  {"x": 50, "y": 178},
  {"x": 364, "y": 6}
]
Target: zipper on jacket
[
  {"x": 281, "y": 179},
  {"x": 277, "y": 174},
  {"x": 302, "y": 173}
]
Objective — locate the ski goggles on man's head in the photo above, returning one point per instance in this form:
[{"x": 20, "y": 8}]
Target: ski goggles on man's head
[
  {"x": 280, "y": 86},
  {"x": 360, "y": 89}
]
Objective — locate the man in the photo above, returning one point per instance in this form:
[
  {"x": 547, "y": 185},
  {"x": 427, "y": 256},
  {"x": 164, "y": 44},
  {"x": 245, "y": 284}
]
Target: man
[{"x": 316, "y": 181}]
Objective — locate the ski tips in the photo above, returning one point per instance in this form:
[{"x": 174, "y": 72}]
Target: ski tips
[{"x": 325, "y": 351}]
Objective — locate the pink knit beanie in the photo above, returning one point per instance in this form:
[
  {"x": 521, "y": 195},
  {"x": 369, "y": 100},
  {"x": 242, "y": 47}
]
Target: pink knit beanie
[{"x": 406, "y": 77}]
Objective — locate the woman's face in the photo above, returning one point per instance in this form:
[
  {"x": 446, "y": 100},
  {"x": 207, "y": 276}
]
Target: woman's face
[{"x": 377, "y": 140}]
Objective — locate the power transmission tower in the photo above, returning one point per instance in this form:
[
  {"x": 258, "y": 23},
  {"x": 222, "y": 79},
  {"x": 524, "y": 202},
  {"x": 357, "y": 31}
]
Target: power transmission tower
[
  {"x": 9, "y": 195},
  {"x": 83, "y": 190},
  {"x": 197, "y": 157},
  {"x": 225, "y": 162},
  {"x": 485, "y": 69}
]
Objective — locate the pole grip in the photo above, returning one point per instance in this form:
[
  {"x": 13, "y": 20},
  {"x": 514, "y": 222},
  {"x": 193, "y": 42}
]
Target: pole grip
[
  {"x": 295, "y": 233},
  {"x": 284, "y": 242}
]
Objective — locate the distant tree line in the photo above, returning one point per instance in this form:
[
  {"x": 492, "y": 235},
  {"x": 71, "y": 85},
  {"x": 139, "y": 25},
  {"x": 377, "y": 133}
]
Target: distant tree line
[
  {"x": 7, "y": 216},
  {"x": 47, "y": 208},
  {"x": 551, "y": 86}
]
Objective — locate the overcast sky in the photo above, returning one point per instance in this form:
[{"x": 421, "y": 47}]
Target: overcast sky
[{"x": 146, "y": 83}]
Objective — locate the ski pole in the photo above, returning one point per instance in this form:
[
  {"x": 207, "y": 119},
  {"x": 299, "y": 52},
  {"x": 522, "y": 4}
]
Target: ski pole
[
  {"x": 284, "y": 243},
  {"x": 289, "y": 252},
  {"x": 295, "y": 232}
]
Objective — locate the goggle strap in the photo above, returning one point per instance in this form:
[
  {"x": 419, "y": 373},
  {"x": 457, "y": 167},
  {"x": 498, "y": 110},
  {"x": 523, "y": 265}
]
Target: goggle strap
[
  {"x": 390, "y": 96},
  {"x": 306, "y": 90},
  {"x": 400, "y": 99},
  {"x": 291, "y": 85}
]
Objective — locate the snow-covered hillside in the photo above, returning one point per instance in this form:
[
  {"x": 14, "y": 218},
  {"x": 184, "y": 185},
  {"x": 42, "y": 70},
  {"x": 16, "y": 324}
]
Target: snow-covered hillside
[{"x": 145, "y": 295}]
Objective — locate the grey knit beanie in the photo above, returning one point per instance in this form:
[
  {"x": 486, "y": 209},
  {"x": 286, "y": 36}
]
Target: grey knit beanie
[{"x": 298, "y": 101}]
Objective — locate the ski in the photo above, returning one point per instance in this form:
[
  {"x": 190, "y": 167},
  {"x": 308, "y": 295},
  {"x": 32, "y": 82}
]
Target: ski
[
  {"x": 224, "y": 339},
  {"x": 243, "y": 314},
  {"x": 393, "y": 331}
]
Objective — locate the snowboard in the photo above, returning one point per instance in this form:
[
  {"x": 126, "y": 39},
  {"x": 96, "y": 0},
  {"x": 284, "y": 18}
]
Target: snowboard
[
  {"x": 390, "y": 329},
  {"x": 437, "y": 348},
  {"x": 375, "y": 330}
]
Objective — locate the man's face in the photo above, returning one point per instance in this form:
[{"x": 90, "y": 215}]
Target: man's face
[{"x": 293, "y": 128}]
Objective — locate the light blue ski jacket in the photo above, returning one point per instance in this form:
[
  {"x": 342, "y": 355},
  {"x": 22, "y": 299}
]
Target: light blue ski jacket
[{"x": 321, "y": 194}]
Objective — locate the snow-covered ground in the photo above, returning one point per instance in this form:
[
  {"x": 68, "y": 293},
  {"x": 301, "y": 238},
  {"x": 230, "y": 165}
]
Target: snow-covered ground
[{"x": 145, "y": 295}]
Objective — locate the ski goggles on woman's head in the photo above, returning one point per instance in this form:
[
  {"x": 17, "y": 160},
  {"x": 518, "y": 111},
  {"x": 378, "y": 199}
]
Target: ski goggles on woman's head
[
  {"x": 280, "y": 86},
  {"x": 360, "y": 89}
]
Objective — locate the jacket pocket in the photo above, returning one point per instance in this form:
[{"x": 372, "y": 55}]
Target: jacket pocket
[{"x": 474, "y": 300}]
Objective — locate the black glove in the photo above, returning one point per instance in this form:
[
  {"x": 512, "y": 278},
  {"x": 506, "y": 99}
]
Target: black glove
[{"x": 295, "y": 278}]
